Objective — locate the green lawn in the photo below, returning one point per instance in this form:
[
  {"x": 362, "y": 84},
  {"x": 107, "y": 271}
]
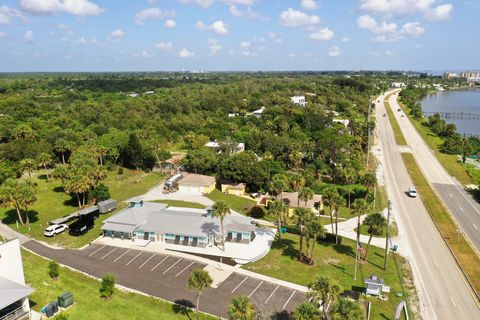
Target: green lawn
[
  {"x": 88, "y": 304},
  {"x": 399, "y": 138},
  {"x": 462, "y": 250},
  {"x": 235, "y": 203},
  {"x": 180, "y": 203},
  {"x": 336, "y": 262},
  {"x": 448, "y": 161},
  {"x": 53, "y": 203},
  {"x": 393, "y": 231}
]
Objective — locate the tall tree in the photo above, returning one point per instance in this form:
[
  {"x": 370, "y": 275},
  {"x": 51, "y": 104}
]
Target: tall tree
[
  {"x": 61, "y": 172},
  {"x": 278, "y": 209},
  {"x": 297, "y": 182},
  {"x": 359, "y": 206},
  {"x": 44, "y": 160},
  {"x": 369, "y": 180},
  {"x": 27, "y": 166},
  {"x": 62, "y": 146},
  {"x": 375, "y": 222},
  {"x": 306, "y": 311},
  {"x": 321, "y": 290},
  {"x": 29, "y": 196},
  {"x": 316, "y": 230},
  {"x": 241, "y": 308},
  {"x": 305, "y": 194},
  {"x": 221, "y": 210},
  {"x": 302, "y": 217},
  {"x": 198, "y": 281},
  {"x": 346, "y": 309},
  {"x": 133, "y": 152},
  {"x": 350, "y": 176},
  {"x": 328, "y": 199},
  {"x": 337, "y": 202},
  {"x": 10, "y": 195}
]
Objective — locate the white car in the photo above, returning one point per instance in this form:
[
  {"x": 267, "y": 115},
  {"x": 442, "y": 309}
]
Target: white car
[
  {"x": 54, "y": 229},
  {"x": 412, "y": 192}
]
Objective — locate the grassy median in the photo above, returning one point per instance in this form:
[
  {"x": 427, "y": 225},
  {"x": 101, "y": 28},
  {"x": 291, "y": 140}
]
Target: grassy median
[
  {"x": 399, "y": 138},
  {"x": 463, "y": 252}
]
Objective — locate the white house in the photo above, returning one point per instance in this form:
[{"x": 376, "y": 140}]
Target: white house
[
  {"x": 133, "y": 95},
  {"x": 14, "y": 293},
  {"x": 257, "y": 113},
  {"x": 232, "y": 146},
  {"x": 398, "y": 85},
  {"x": 300, "y": 100}
]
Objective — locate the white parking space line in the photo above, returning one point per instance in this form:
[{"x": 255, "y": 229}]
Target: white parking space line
[
  {"x": 235, "y": 289},
  {"x": 453, "y": 301},
  {"x": 147, "y": 261},
  {"x": 451, "y": 196},
  {"x": 255, "y": 289},
  {"x": 475, "y": 226},
  {"x": 173, "y": 265},
  {"x": 134, "y": 258},
  {"x": 271, "y": 294},
  {"x": 121, "y": 255},
  {"x": 108, "y": 253},
  {"x": 91, "y": 254},
  {"x": 291, "y": 296},
  {"x": 159, "y": 263},
  {"x": 461, "y": 209},
  {"x": 184, "y": 269}
]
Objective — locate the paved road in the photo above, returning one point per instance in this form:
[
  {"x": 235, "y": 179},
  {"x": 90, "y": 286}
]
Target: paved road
[
  {"x": 459, "y": 202},
  {"x": 165, "y": 276},
  {"x": 442, "y": 289}
]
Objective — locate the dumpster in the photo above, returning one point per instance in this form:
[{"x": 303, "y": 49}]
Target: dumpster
[
  {"x": 65, "y": 300},
  {"x": 395, "y": 248},
  {"x": 54, "y": 305},
  {"x": 49, "y": 310}
]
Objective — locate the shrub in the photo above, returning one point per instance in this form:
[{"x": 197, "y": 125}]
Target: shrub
[
  {"x": 62, "y": 316},
  {"x": 53, "y": 270},
  {"x": 99, "y": 193},
  {"x": 256, "y": 212},
  {"x": 107, "y": 287}
]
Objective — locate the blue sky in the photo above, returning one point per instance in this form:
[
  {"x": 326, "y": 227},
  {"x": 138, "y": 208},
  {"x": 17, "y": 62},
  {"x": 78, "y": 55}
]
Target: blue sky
[{"x": 157, "y": 35}]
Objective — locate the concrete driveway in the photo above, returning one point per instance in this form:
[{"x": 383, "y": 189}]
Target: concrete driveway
[{"x": 156, "y": 193}]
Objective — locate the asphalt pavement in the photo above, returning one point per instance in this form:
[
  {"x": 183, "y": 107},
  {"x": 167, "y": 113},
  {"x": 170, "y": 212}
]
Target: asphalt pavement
[{"x": 442, "y": 289}]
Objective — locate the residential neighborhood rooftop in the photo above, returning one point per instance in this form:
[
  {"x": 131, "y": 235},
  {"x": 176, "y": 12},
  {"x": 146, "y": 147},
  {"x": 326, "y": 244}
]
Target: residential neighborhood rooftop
[{"x": 197, "y": 179}]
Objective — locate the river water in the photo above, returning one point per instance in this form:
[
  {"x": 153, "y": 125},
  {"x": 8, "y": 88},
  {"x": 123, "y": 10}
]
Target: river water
[{"x": 456, "y": 101}]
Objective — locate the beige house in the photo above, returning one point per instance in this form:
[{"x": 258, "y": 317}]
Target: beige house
[
  {"x": 196, "y": 183},
  {"x": 237, "y": 189},
  {"x": 292, "y": 201}
]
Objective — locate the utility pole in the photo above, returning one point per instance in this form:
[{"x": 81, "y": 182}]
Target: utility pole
[
  {"x": 357, "y": 246},
  {"x": 386, "y": 240}
]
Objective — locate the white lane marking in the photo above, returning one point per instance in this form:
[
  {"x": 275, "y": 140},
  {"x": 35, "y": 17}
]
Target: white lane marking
[
  {"x": 469, "y": 201},
  {"x": 271, "y": 294},
  {"x": 461, "y": 209},
  {"x": 435, "y": 263},
  {"x": 147, "y": 261},
  {"x": 134, "y": 258},
  {"x": 159, "y": 263},
  {"x": 184, "y": 269},
  {"x": 173, "y": 265},
  {"x": 91, "y": 254},
  {"x": 121, "y": 255},
  {"x": 291, "y": 296},
  {"x": 235, "y": 289},
  {"x": 108, "y": 253},
  {"x": 451, "y": 196},
  {"x": 453, "y": 301},
  {"x": 475, "y": 226},
  {"x": 255, "y": 289}
]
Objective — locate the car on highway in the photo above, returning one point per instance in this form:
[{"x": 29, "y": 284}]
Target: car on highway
[
  {"x": 384, "y": 115},
  {"x": 412, "y": 192},
  {"x": 54, "y": 229},
  {"x": 399, "y": 109}
]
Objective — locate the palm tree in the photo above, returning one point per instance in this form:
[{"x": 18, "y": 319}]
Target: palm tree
[
  {"x": 359, "y": 206},
  {"x": 28, "y": 165},
  {"x": 329, "y": 197},
  {"x": 221, "y": 210},
  {"x": 277, "y": 208},
  {"x": 297, "y": 181},
  {"x": 10, "y": 196},
  {"x": 306, "y": 311},
  {"x": 346, "y": 309},
  {"x": 198, "y": 281},
  {"x": 241, "y": 309},
  {"x": 316, "y": 230},
  {"x": 369, "y": 180},
  {"x": 29, "y": 196},
  {"x": 350, "y": 175},
  {"x": 305, "y": 194},
  {"x": 62, "y": 146},
  {"x": 278, "y": 185},
  {"x": 44, "y": 160},
  {"x": 336, "y": 202},
  {"x": 375, "y": 222},
  {"x": 302, "y": 216},
  {"x": 61, "y": 172},
  {"x": 321, "y": 290}
]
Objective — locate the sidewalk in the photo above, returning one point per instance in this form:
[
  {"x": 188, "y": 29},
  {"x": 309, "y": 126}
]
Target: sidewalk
[{"x": 9, "y": 233}]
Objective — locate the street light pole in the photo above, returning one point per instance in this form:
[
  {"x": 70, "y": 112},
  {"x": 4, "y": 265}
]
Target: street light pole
[{"x": 386, "y": 239}]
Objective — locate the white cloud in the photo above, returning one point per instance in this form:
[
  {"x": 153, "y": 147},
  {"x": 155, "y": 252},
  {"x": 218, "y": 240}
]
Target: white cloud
[
  {"x": 49, "y": 7},
  {"x": 247, "y": 13},
  {"x": 294, "y": 18},
  {"x": 346, "y": 39},
  {"x": 334, "y": 51},
  {"x": 85, "y": 42},
  {"x": 170, "y": 24},
  {"x": 389, "y": 32},
  {"x": 245, "y": 44},
  {"x": 7, "y": 13},
  {"x": 65, "y": 29},
  {"x": 144, "y": 54},
  {"x": 165, "y": 46},
  {"x": 217, "y": 27},
  {"x": 402, "y": 8},
  {"x": 203, "y": 3},
  {"x": 292, "y": 55},
  {"x": 214, "y": 46},
  {"x": 412, "y": 29},
  {"x": 321, "y": 34},
  {"x": 310, "y": 4},
  {"x": 184, "y": 53},
  {"x": 28, "y": 36},
  {"x": 116, "y": 35},
  {"x": 242, "y": 2},
  {"x": 152, "y": 13}
]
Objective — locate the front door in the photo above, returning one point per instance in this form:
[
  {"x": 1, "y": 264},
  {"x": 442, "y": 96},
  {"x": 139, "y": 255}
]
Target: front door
[{"x": 146, "y": 236}]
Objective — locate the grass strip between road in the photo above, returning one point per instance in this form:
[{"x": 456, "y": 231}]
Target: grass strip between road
[
  {"x": 463, "y": 253},
  {"x": 399, "y": 138}
]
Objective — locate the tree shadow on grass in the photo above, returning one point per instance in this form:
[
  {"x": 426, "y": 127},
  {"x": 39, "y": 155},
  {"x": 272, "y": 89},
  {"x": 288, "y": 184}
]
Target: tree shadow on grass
[
  {"x": 11, "y": 216},
  {"x": 287, "y": 246},
  {"x": 281, "y": 315},
  {"x": 72, "y": 202},
  {"x": 343, "y": 249},
  {"x": 183, "y": 307},
  {"x": 58, "y": 189}
]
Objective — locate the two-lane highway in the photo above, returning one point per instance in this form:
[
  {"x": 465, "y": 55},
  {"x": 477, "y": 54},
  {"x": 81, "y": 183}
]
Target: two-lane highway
[{"x": 442, "y": 289}]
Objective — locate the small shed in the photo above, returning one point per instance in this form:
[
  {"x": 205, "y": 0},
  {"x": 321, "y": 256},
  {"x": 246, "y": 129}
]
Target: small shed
[
  {"x": 374, "y": 285},
  {"x": 235, "y": 189}
]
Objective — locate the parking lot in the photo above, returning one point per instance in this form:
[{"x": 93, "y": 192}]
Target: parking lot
[{"x": 165, "y": 276}]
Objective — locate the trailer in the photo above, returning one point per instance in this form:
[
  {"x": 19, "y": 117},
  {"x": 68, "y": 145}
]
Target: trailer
[
  {"x": 172, "y": 182},
  {"x": 76, "y": 214},
  {"x": 82, "y": 225},
  {"x": 107, "y": 205}
]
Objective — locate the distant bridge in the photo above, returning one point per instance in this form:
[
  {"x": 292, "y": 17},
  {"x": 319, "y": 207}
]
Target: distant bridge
[{"x": 454, "y": 115}]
